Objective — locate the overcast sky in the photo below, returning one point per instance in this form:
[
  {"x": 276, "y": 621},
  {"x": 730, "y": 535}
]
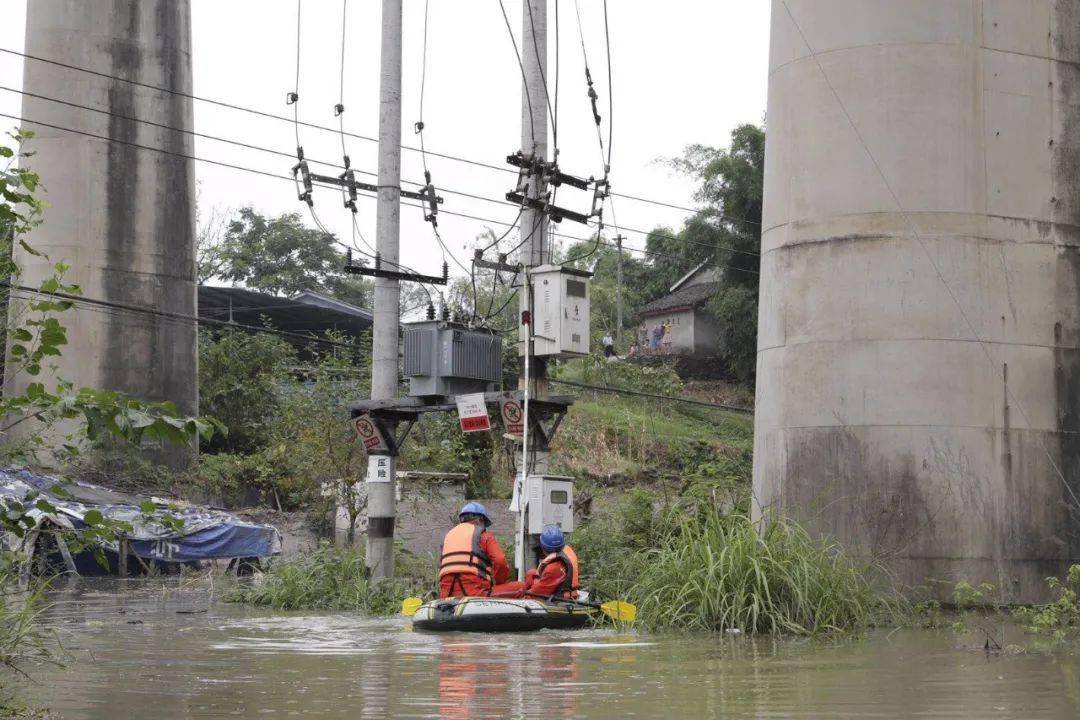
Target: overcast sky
[{"x": 684, "y": 71}]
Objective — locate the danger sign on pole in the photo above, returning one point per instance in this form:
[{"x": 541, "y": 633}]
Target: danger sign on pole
[
  {"x": 512, "y": 416},
  {"x": 369, "y": 434},
  {"x": 472, "y": 413}
]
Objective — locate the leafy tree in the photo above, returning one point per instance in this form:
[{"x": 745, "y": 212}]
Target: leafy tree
[
  {"x": 725, "y": 232},
  {"x": 280, "y": 256},
  {"x": 240, "y": 380}
]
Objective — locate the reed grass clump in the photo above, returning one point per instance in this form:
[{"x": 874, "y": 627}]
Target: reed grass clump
[
  {"x": 330, "y": 578},
  {"x": 715, "y": 572}
]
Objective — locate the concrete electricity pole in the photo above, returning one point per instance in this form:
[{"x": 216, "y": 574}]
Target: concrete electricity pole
[
  {"x": 534, "y": 235},
  {"x": 618, "y": 292},
  {"x": 384, "y": 350}
]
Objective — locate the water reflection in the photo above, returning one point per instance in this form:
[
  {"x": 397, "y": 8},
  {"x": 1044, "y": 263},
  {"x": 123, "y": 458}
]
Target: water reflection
[{"x": 143, "y": 650}]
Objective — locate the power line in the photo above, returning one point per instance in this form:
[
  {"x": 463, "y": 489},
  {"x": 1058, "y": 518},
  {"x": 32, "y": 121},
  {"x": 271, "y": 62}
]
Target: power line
[
  {"x": 291, "y": 156},
  {"x": 175, "y": 316},
  {"x": 524, "y": 80},
  {"x": 315, "y": 126},
  {"x": 638, "y": 393},
  {"x": 291, "y": 180},
  {"x": 543, "y": 79}
]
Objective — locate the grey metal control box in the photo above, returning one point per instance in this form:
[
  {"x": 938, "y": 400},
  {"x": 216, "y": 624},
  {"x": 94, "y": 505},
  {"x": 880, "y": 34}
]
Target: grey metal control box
[
  {"x": 561, "y": 300},
  {"x": 443, "y": 359}
]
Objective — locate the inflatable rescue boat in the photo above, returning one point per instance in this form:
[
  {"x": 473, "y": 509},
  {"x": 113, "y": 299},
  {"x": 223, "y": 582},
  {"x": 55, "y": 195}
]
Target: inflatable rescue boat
[{"x": 484, "y": 614}]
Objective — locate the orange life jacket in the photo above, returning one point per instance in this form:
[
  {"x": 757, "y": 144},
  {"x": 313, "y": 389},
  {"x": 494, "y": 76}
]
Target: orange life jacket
[
  {"x": 568, "y": 558},
  {"x": 461, "y": 553}
]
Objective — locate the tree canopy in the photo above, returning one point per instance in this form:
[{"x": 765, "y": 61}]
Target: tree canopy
[{"x": 280, "y": 255}]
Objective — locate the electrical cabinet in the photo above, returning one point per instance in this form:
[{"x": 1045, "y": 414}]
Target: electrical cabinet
[
  {"x": 560, "y": 310},
  {"x": 443, "y": 359},
  {"x": 550, "y": 501}
]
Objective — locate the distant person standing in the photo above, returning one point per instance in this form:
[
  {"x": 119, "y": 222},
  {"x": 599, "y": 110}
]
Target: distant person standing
[
  {"x": 609, "y": 345},
  {"x": 657, "y": 337}
]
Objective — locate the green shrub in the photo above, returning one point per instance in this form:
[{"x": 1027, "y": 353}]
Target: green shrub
[
  {"x": 264, "y": 477},
  {"x": 240, "y": 375},
  {"x": 716, "y": 572},
  {"x": 1060, "y": 617},
  {"x": 332, "y": 578}
]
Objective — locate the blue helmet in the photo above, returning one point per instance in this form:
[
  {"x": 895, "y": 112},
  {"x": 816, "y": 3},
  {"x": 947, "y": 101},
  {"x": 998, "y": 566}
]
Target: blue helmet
[
  {"x": 552, "y": 539},
  {"x": 474, "y": 509}
]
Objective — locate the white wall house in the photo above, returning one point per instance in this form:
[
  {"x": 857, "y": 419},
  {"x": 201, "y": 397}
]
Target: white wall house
[{"x": 676, "y": 324}]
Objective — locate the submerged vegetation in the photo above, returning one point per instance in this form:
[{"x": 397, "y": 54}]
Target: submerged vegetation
[
  {"x": 332, "y": 578},
  {"x": 23, "y": 642},
  {"x": 699, "y": 568},
  {"x": 719, "y": 572}
]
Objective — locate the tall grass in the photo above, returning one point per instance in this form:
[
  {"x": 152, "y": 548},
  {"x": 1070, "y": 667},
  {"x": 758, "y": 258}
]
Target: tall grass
[
  {"x": 23, "y": 641},
  {"x": 714, "y": 572},
  {"x": 331, "y": 578}
]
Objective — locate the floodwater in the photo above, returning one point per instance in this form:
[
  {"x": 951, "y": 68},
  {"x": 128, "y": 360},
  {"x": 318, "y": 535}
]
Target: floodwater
[{"x": 147, "y": 649}]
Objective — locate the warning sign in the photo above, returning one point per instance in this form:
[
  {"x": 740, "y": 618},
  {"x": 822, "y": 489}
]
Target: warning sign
[
  {"x": 472, "y": 413},
  {"x": 512, "y": 417},
  {"x": 380, "y": 469},
  {"x": 369, "y": 434}
]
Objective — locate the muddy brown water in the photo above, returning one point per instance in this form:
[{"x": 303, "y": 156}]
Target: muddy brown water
[{"x": 146, "y": 649}]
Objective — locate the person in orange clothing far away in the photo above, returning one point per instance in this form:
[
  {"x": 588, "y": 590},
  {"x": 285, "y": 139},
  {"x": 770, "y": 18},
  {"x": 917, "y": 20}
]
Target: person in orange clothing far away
[
  {"x": 557, "y": 575},
  {"x": 472, "y": 561}
]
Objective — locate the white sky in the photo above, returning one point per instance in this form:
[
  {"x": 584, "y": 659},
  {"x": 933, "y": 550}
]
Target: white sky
[{"x": 684, "y": 71}]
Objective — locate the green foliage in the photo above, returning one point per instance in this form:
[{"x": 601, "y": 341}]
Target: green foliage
[
  {"x": 332, "y": 578},
  {"x": 735, "y": 308},
  {"x": 615, "y": 439},
  {"x": 596, "y": 370},
  {"x": 281, "y": 256},
  {"x": 966, "y": 595},
  {"x": 1061, "y": 618},
  {"x": 240, "y": 380},
  {"x": 288, "y": 420},
  {"x": 690, "y": 566},
  {"x": 23, "y": 642},
  {"x": 716, "y": 572}
]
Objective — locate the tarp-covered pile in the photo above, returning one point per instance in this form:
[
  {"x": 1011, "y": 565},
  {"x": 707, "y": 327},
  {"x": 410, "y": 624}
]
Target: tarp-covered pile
[{"x": 204, "y": 534}]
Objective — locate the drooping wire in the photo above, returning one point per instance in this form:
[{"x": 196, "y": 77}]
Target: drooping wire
[
  {"x": 423, "y": 88},
  {"x": 556, "y": 121},
  {"x": 610, "y": 90},
  {"x": 340, "y": 109},
  {"x": 509, "y": 229},
  {"x": 524, "y": 79},
  {"x": 296, "y": 83},
  {"x": 543, "y": 79}
]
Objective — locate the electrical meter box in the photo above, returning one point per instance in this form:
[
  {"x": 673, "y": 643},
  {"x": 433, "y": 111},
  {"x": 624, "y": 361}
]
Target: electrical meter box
[
  {"x": 442, "y": 359},
  {"x": 560, "y": 311},
  {"x": 550, "y": 501}
]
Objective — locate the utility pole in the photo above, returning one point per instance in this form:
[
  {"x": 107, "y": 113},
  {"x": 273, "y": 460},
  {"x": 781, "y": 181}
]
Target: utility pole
[
  {"x": 618, "y": 291},
  {"x": 534, "y": 234},
  {"x": 384, "y": 371}
]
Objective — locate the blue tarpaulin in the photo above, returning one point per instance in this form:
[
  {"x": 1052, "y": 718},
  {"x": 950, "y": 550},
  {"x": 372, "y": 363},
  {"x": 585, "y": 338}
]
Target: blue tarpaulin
[{"x": 204, "y": 534}]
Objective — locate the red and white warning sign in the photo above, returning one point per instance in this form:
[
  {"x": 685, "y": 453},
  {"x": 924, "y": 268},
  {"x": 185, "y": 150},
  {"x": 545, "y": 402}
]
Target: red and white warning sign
[
  {"x": 369, "y": 434},
  {"x": 512, "y": 416},
  {"x": 472, "y": 413}
]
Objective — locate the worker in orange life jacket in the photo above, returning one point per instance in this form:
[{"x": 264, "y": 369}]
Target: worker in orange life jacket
[
  {"x": 557, "y": 575},
  {"x": 472, "y": 561}
]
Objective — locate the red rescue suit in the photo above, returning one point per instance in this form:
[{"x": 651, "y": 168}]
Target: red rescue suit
[
  {"x": 471, "y": 563},
  {"x": 556, "y": 576}
]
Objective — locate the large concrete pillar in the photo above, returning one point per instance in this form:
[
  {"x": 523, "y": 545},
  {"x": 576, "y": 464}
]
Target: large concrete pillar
[
  {"x": 122, "y": 217},
  {"x": 918, "y": 370}
]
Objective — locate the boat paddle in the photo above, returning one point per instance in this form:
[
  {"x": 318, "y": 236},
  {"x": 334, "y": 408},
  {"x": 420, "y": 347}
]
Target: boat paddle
[
  {"x": 617, "y": 610},
  {"x": 410, "y": 605}
]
